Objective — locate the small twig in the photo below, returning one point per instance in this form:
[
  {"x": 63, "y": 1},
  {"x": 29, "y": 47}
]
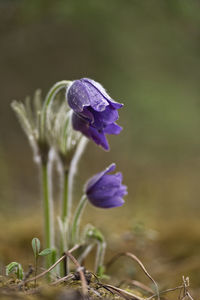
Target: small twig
[
  {"x": 69, "y": 276},
  {"x": 189, "y": 296},
  {"x": 123, "y": 293},
  {"x": 46, "y": 271},
  {"x": 81, "y": 273},
  {"x": 186, "y": 284},
  {"x": 53, "y": 266},
  {"x": 183, "y": 288},
  {"x": 135, "y": 258}
]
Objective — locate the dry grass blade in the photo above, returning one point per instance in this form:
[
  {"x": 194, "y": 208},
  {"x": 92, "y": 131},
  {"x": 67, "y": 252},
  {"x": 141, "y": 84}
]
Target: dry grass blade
[
  {"x": 81, "y": 273},
  {"x": 142, "y": 286},
  {"x": 167, "y": 291},
  {"x": 123, "y": 293},
  {"x": 135, "y": 258}
]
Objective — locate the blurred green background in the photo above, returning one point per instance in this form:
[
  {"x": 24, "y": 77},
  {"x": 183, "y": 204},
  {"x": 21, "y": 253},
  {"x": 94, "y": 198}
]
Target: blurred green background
[{"x": 146, "y": 53}]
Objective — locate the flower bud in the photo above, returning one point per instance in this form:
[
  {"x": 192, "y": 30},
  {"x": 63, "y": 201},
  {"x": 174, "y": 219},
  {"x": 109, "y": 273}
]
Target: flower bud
[{"x": 106, "y": 191}]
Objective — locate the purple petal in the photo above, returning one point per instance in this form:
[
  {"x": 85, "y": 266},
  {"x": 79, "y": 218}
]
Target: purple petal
[
  {"x": 115, "y": 104},
  {"x": 91, "y": 182},
  {"x": 77, "y": 96},
  {"x": 122, "y": 191},
  {"x": 108, "y": 181},
  {"x": 109, "y": 115},
  {"x": 98, "y": 86},
  {"x": 101, "y": 89},
  {"x": 86, "y": 113},
  {"x": 80, "y": 124},
  {"x": 97, "y": 101},
  {"x": 98, "y": 137},
  {"x": 106, "y": 187},
  {"x": 112, "y": 129},
  {"x": 108, "y": 203}
]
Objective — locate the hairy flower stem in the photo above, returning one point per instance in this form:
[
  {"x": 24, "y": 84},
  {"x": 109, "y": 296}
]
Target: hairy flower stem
[
  {"x": 48, "y": 216},
  {"x": 65, "y": 204},
  {"x": 48, "y": 100},
  {"x": 77, "y": 219},
  {"x": 73, "y": 169},
  {"x": 68, "y": 175}
]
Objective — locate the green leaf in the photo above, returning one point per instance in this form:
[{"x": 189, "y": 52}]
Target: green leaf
[
  {"x": 20, "y": 272},
  {"x": 45, "y": 252},
  {"x": 16, "y": 268},
  {"x": 11, "y": 267},
  {"x": 36, "y": 246}
]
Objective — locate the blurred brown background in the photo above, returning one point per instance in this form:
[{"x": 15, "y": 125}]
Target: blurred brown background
[{"x": 147, "y": 55}]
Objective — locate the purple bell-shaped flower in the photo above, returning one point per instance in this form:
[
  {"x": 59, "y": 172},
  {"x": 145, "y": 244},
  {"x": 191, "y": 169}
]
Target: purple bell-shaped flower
[{"x": 94, "y": 112}]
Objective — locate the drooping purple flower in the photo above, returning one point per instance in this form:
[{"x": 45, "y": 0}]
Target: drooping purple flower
[
  {"x": 94, "y": 112},
  {"x": 106, "y": 191}
]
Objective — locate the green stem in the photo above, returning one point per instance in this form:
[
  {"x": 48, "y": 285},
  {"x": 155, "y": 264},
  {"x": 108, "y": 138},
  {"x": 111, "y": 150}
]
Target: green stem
[
  {"x": 77, "y": 219},
  {"x": 99, "y": 269},
  {"x": 65, "y": 222},
  {"x": 36, "y": 263},
  {"x": 48, "y": 219},
  {"x": 48, "y": 100}
]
